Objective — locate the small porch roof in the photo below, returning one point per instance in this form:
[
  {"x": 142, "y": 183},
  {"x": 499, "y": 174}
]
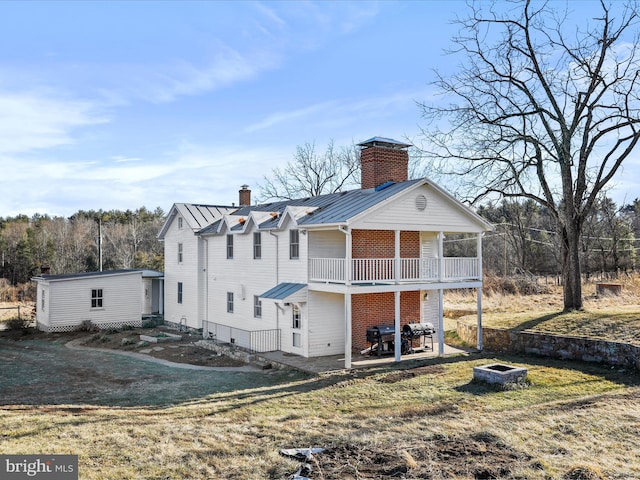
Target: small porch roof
[{"x": 283, "y": 291}]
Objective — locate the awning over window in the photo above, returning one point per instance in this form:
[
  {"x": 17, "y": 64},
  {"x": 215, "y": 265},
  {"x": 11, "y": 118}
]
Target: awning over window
[{"x": 291, "y": 292}]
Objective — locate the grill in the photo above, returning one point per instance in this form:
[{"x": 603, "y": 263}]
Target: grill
[
  {"x": 418, "y": 332},
  {"x": 381, "y": 338}
]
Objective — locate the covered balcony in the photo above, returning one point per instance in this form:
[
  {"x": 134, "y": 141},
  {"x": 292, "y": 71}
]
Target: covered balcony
[{"x": 394, "y": 270}]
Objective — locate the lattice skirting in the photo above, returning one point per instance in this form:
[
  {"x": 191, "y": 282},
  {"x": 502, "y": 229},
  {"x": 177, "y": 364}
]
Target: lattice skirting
[{"x": 75, "y": 327}]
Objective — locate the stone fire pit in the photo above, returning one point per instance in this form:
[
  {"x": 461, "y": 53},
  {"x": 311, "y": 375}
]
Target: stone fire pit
[{"x": 499, "y": 373}]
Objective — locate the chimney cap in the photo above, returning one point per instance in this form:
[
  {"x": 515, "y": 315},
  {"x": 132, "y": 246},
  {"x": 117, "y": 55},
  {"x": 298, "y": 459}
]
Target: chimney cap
[
  {"x": 384, "y": 142},
  {"x": 244, "y": 187}
]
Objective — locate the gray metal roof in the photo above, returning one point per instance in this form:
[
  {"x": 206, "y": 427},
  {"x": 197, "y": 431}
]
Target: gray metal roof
[
  {"x": 69, "y": 276},
  {"x": 324, "y": 209},
  {"x": 199, "y": 216},
  {"x": 283, "y": 290}
]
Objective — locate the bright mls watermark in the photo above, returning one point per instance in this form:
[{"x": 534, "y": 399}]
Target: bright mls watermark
[{"x": 49, "y": 467}]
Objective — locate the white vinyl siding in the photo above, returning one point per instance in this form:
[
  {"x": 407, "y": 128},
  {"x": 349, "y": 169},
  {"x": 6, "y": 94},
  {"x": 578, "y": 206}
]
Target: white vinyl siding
[
  {"x": 441, "y": 214},
  {"x": 325, "y": 322},
  {"x": 70, "y": 301}
]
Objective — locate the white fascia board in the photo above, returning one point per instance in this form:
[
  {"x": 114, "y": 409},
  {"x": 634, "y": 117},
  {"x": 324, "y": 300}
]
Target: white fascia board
[{"x": 167, "y": 222}]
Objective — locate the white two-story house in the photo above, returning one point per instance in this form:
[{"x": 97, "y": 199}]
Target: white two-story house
[{"x": 310, "y": 276}]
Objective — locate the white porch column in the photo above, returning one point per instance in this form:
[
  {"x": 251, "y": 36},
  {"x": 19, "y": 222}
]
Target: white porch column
[
  {"x": 479, "y": 301},
  {"x": 479, "y": 291},
  {"x": 440, "y": 255},
  {"x": 440, "y": 322},
  {"x": 397, "y": 339},
  {"x": 396, "y": 260},
  {"x": 347, "y": 330}
]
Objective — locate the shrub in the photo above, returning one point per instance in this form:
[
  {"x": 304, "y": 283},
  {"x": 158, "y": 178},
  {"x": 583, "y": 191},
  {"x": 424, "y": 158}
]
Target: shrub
[
  {"x": 89, "y": 326},
  {"x": 17, "y": 323}
]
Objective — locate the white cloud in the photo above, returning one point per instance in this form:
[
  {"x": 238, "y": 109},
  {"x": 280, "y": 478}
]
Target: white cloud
[
  {"x": 31, "y": 121},
  {"x": 342, "y": 112}
]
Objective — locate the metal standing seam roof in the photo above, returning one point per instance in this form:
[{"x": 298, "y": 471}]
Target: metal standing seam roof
[
  {"x": 324, "y": 209},
  {"x": 69, "y": 276},
  {"x": 282, "y": 291},
  {"x": 199, "y": 216}
]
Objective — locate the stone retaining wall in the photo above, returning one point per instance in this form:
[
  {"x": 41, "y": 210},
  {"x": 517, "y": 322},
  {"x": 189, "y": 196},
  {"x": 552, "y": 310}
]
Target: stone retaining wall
[
  {"x": 555, "y": 346},
  {"x": 236, "y": 353}
]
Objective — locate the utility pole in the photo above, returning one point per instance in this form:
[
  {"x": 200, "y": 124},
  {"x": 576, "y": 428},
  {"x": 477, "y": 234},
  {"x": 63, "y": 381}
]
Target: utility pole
[{"x": 100, "y": 243}]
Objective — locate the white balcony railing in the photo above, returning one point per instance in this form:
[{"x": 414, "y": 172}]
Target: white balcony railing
[{"x": 383, "y": 270}]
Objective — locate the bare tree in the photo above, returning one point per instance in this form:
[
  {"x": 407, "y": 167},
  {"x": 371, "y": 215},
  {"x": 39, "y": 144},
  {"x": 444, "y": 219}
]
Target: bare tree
[
  {"x": 541, "y": 109},
  {"x": 311, "y": 173}
]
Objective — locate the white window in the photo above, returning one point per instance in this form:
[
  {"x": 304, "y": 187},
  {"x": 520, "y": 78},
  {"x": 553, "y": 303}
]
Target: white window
[
  {"x": 229, "y": 246},
  {"x": 295, "y": 317},
  {"x": 257, "y": 307},
  {"x": 179, "y": 223},
  {"x": 179, "y": 253},
  {"x": 96, "y": 298},
  {"x": 294, "y": 244},
  {"x": 179, "y": 292},
  {"x": 257, "y": 245},
  {"x": 230, "y": 302},
  {"x": 297, "y": 340}
]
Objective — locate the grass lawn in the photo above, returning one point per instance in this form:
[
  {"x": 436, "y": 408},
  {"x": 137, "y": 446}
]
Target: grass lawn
[
  {"x": 427, "y": 421},
  {"x": 422, "y": 419}
]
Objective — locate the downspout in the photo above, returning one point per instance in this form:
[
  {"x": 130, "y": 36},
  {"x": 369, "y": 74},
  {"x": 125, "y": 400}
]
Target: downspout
[
  {"x": 205, "y": 331},
  {"x": 347, "y": 297},
  {"x": 277, "y": 279}
]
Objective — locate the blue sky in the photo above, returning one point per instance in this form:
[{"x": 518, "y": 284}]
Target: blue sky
[{"x": 118, "y": 105}]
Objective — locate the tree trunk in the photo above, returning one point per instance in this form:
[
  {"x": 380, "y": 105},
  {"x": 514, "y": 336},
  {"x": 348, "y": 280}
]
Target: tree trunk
[{"x": 571, "y": 272}]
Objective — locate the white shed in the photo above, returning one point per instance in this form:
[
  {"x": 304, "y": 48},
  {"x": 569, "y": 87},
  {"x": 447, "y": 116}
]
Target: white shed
[{"x": 109, "y": 299}]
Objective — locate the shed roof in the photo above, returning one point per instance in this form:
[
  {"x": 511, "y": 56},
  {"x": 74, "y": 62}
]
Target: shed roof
[{"x": 71, "y": 276}]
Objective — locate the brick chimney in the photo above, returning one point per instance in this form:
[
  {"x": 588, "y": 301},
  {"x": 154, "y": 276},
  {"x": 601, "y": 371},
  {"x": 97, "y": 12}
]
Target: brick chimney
[
  {"x": 383, "y": 160},
  {"x": 245, "y": 196}
]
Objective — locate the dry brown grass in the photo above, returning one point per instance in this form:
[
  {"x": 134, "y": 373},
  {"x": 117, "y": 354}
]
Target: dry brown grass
[
  {"x": 610, "y": 317},
  {"x": 436, "y": 424}
]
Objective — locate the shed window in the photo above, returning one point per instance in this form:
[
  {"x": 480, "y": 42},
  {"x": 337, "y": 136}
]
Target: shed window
[
  {"x": 229, "y": 246},
  {"x": 179, "y": 292},
  {"x": 42, "y": 306},
  {"x": 294, "y": 244},
  {"x": 96, "y": 298}
]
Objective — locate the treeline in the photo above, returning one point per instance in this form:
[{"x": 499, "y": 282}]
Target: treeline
[
  {"x": 526, "y": 239},
  {"x": 59, "y": 245}
]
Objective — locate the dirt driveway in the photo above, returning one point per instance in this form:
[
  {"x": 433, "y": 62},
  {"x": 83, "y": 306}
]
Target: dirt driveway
[{"x": 43, "y": 371}]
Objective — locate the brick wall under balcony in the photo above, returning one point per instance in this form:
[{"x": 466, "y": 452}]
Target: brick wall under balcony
[
  {"x": 381, "y": 244},
  {"x": 371, "y": 309}
]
